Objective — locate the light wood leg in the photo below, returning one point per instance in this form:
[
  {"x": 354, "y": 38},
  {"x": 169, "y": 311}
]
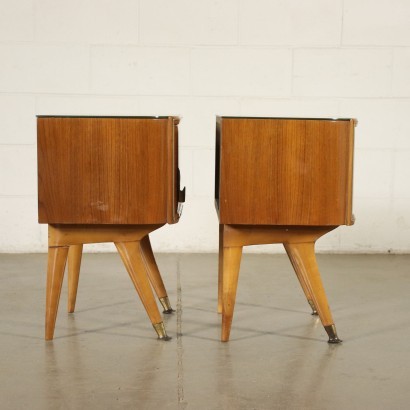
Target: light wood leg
[
  {"x": 57, "y": 257},
  {"x": 74, "y": 262},
  {"x": 220, "y": 266},
  {"x": 304, "y": 258},
  {"x": 231, "y": 266},
  {"x": 302, "y": 281},
  {"x": 154, "y": 275},
  {"x": 132, "y": 256}
]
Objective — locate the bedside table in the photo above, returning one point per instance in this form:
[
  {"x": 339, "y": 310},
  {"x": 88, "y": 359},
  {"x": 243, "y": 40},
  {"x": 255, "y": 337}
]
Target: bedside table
[
  {"x": 107, "y": 179},
  {"x": 281, "y": 180}
]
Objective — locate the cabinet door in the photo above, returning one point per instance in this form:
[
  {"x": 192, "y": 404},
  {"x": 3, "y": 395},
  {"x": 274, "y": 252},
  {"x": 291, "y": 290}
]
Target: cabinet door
[
  {"x": 285, "y": 171},
  {"x": 102, "y": 170}
]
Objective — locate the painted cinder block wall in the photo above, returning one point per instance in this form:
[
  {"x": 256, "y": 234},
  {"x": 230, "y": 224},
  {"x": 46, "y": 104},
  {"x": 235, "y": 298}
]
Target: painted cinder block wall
[{"x": 200, "y": 58}]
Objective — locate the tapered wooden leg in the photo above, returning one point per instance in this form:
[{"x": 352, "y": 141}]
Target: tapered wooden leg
[
  {"x": 231, "y": 266},
  {"x": 302, "y": 281},
  {"x": 220, "y": 266},
  {"x": 74, "y": 262},
  {"x": 132, "y": 256},
  {"x": 304, "y": 258},
  {"x": 57, "y": 257},
  {"x": 155, "y": 276}
]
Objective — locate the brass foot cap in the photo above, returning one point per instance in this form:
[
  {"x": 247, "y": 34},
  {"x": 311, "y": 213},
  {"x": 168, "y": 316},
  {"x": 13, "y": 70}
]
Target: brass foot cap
[
  {"x": 161, "y": 332},
  {"x": 312, "y": 305},
  {"x": 166, "y": 305},
  {"x": 334, "y": 341},
  {"x": 331, "y": 331}
]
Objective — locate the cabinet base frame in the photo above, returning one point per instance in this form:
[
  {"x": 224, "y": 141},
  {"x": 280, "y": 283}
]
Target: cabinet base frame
[
  {"x": 132, "y": 242},
  {"x": 299, "y": 242}
]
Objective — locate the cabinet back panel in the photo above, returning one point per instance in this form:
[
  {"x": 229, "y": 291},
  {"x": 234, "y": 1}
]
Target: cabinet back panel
[{"x": 285, "y": 171}]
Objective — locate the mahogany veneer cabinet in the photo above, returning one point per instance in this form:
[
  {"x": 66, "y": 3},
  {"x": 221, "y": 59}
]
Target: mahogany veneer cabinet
[
  {"x": 107, "y": 179},
  {"x": 281, "y": 180}
]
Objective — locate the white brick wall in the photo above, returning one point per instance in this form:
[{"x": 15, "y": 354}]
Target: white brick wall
[
  {"x": 241, "y": 72},
  {"x": 378, "y": 23},
  {"x": 87, "y": 21},
  {"x": 17, "y": 21},
  {"x": 35, "y": 68},
  {"x": 343, "y": 72},
  {"x": 401, "y": 69},
  {"x": 139, "y": 70},
  {"x": 290, "y": 23},
  {"x": 193, "y": 22},
  {"x": 194, "y": 58}
]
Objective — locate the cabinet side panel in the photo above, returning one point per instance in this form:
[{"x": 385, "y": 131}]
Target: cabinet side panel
[
  {"x": 349, "y": 176},
  {"x": 101, "y": 170},
  {"x": 217, "y": 162},
  {"x": 172, "y": 170},
  {"x": 284, "y": 172}
]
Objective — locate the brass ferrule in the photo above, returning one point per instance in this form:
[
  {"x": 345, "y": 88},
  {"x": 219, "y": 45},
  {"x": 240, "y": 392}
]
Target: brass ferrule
[
  {"x": 312, "y": 305},
  {"x": 161, "y": 332},
  {"x": 331, "y": 331},
  {"x": 166, "y": 305}
]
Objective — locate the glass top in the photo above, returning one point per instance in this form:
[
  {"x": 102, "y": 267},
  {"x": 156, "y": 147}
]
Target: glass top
[
  {"x": 159, "y": 117},
  {"x": 282, "y": 118}
]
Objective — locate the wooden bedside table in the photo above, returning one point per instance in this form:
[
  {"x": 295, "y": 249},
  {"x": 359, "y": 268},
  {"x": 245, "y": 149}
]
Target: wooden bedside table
[
  {"x": 107, "y": 179},
  {"x": 281, "y": 180}
]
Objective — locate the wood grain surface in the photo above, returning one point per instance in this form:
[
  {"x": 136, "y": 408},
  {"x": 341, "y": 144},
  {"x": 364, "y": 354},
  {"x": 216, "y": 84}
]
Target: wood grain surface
[
  {"x": 102, "y": 170},
  {"x": 284, "y": 171}
]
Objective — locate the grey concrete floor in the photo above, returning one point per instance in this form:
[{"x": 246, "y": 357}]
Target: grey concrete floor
[{"x": 106, "y": 356}]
